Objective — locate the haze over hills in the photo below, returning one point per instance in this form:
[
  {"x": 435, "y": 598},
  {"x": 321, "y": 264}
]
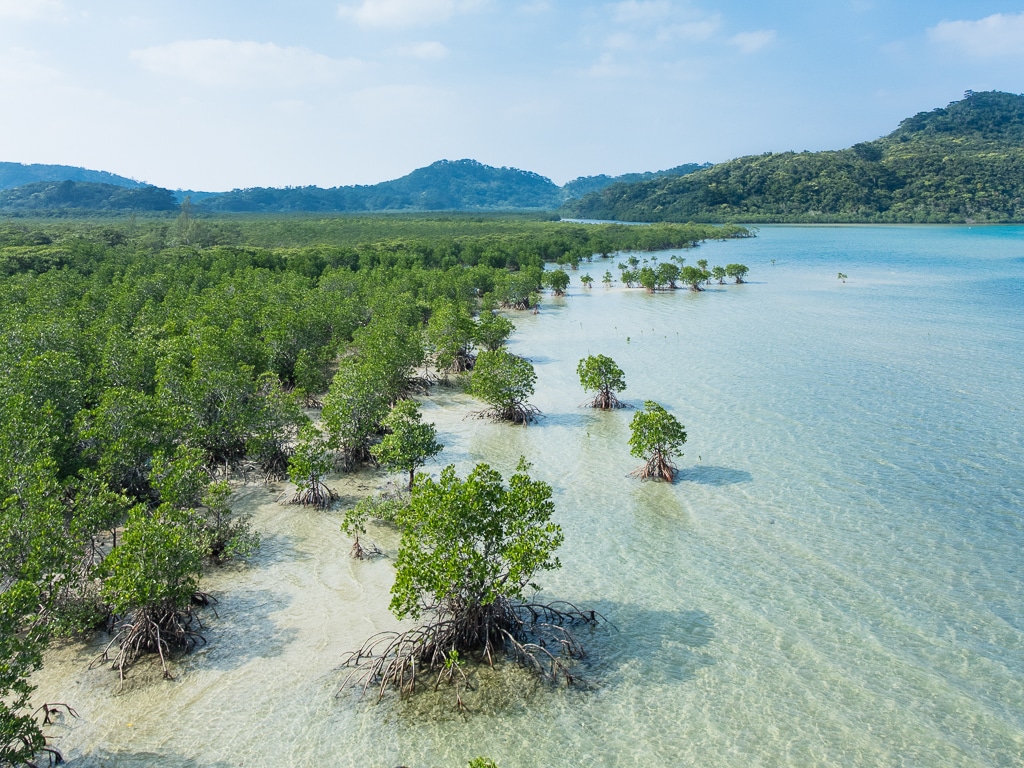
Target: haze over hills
[
  {"x": 963, "y": 162},
  {"x": 444, "y": 185},
  {"x": 17, "y": 174}
]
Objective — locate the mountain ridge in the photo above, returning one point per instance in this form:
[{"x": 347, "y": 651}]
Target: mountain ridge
[
  {"x": 959, "y": 163},
  {"x": 442, "y": 185}
]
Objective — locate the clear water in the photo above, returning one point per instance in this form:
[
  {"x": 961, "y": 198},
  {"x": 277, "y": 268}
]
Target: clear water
[{"x": 836, "y": 578}]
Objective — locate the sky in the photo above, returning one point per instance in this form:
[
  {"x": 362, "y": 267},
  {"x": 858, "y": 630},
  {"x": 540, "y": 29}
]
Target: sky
[{"x": 216, "y": 95}]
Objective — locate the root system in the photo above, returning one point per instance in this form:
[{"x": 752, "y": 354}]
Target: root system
[{"x": 532, "y": 634}]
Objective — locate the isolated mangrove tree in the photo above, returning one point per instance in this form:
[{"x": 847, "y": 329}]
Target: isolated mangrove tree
[
  {"x": 656, "y": 437},
  {"x": 600, "y": 374},
  {"x": 470, "y": 551}
]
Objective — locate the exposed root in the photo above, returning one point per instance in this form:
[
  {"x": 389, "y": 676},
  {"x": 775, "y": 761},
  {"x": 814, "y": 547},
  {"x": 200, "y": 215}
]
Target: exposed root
[
  {"x": 415, "y": 385},
  {"x": 657, "y": 467},
  {"x": 606, "y": 401},
  {"x": 520, "y": 304},
  {"x": 163, "y": 630},
  {"x": 46, "y": 714},
  {"x": 316, "y": 495},
  {"x": 367, "y": 552},
  {"x": 532, "y": 634},
  {"x": 520, "y": 413},
  {"x": 274, "y": 464}
]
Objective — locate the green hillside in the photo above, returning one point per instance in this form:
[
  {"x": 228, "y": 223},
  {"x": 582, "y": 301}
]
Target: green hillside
[
  {"x": 584, "y": 185},
  {"x": 444, "y": 185},
  {"x": 964, "y": 162},
  {"x": 84, "y": 196},
  {"x": 17, "y": 174}
]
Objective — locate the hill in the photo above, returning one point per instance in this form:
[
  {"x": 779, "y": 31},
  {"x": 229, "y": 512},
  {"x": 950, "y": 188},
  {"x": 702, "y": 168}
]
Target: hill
[
  {"x": 84, "y": 196},
  {"x": 584, "y": 185},
  {"x": 963, "y": 162},
  {"x": 16, "y": 175},
  {"x": 444, "y": 185}
]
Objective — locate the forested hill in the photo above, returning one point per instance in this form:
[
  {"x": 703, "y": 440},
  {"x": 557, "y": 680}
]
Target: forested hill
[
  {"x": 584, "y": 185},
  {"x": 963, "y": 162},
  {"x": 84, "y": 197},
  {"x": 453, "y": 185},
  {"x": 444, "y": 185},
  {"x": 16, "y": 174}
]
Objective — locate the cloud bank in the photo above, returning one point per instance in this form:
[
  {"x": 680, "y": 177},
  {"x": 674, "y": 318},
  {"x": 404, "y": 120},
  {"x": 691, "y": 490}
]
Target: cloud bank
[
  {"x": 245, "y": 63},
  {"x": 1000, "y": 34}
]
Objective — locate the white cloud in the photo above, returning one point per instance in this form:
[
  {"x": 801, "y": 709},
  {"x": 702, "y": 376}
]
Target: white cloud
[
  {"x": 429, "y": 50},
  {"x": 620, "y": 41},
  {"x": 691, "y": 30},
  {"x": 1000, "y": 34},
  {"x": 606, "y": 66},
  {"x": 25, "y": 68},
  {"x": 535, "y": 7},
  {"x": 227, "y": 62},
  {"x": 404, "y": 13},
  {"x": 33, "y": 10},
  {"x": 632, "y": 11},
  {"x": 752, "y": 42}
]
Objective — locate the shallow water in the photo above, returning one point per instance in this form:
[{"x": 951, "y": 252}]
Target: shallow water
[{"x": 834, "y": 580}]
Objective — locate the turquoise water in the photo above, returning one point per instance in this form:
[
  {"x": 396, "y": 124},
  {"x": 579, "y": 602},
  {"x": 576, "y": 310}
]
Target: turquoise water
[{"x": 835, "y": 579}]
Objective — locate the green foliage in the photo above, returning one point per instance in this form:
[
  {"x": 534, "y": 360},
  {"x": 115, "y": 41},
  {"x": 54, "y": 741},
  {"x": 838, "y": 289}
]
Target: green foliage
[
  {"x": 121, "y": 434},
  {"x": 311, "y": 461},
  {"x": 471, "y": 542},
  {"x": 85, "y": 196},
  {"x": 518, "y": 290},
  {"x": 409, "y": 442},
  {"x": 450, "y": 333},
  {"x": 444, "y": 185},
  {"x": 180, "y": 479},
  {"x": 737, "y": 271},
  {"x": 158, "y": 561},
  {"x": 482, "y": 762},
  {"x": 667, "y": 273},
  {"x": 693, "y": 277},
  {"x": 959, "y": 163},
  {"x": 384, "y": 506},
  {"x": 584, "y": 185},
  {"x": 133, "y": 367},
  {"x": 557, "y": 280},
  {"x": 492, "y": 330},
  {"x": 277, "y": 416},
  {"x": 600, "y": 374},
  {"x": 354, "y": 407},
  {"x": 657, "y": 437},
  {"x": 505, "y": 382},
  {"x": 21, "y": 644},
  {"x": 226, "y": 535}
]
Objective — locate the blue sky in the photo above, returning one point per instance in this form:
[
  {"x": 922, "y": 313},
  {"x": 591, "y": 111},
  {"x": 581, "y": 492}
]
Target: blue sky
[{"x": 218, "y": 94}]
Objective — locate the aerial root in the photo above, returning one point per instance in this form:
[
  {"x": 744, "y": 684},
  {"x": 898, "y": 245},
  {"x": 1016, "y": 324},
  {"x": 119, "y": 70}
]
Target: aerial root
[
  {"x": 360, "y": 552},
  {"x": 606, "y": 401},
  {"x": 534, "y": 635},
  {"x": 521, "y": 413},
  {"x": 162, "y": 630},
  {"x": 316, "y": 495},
  {"x": 657, "y": 467}
]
